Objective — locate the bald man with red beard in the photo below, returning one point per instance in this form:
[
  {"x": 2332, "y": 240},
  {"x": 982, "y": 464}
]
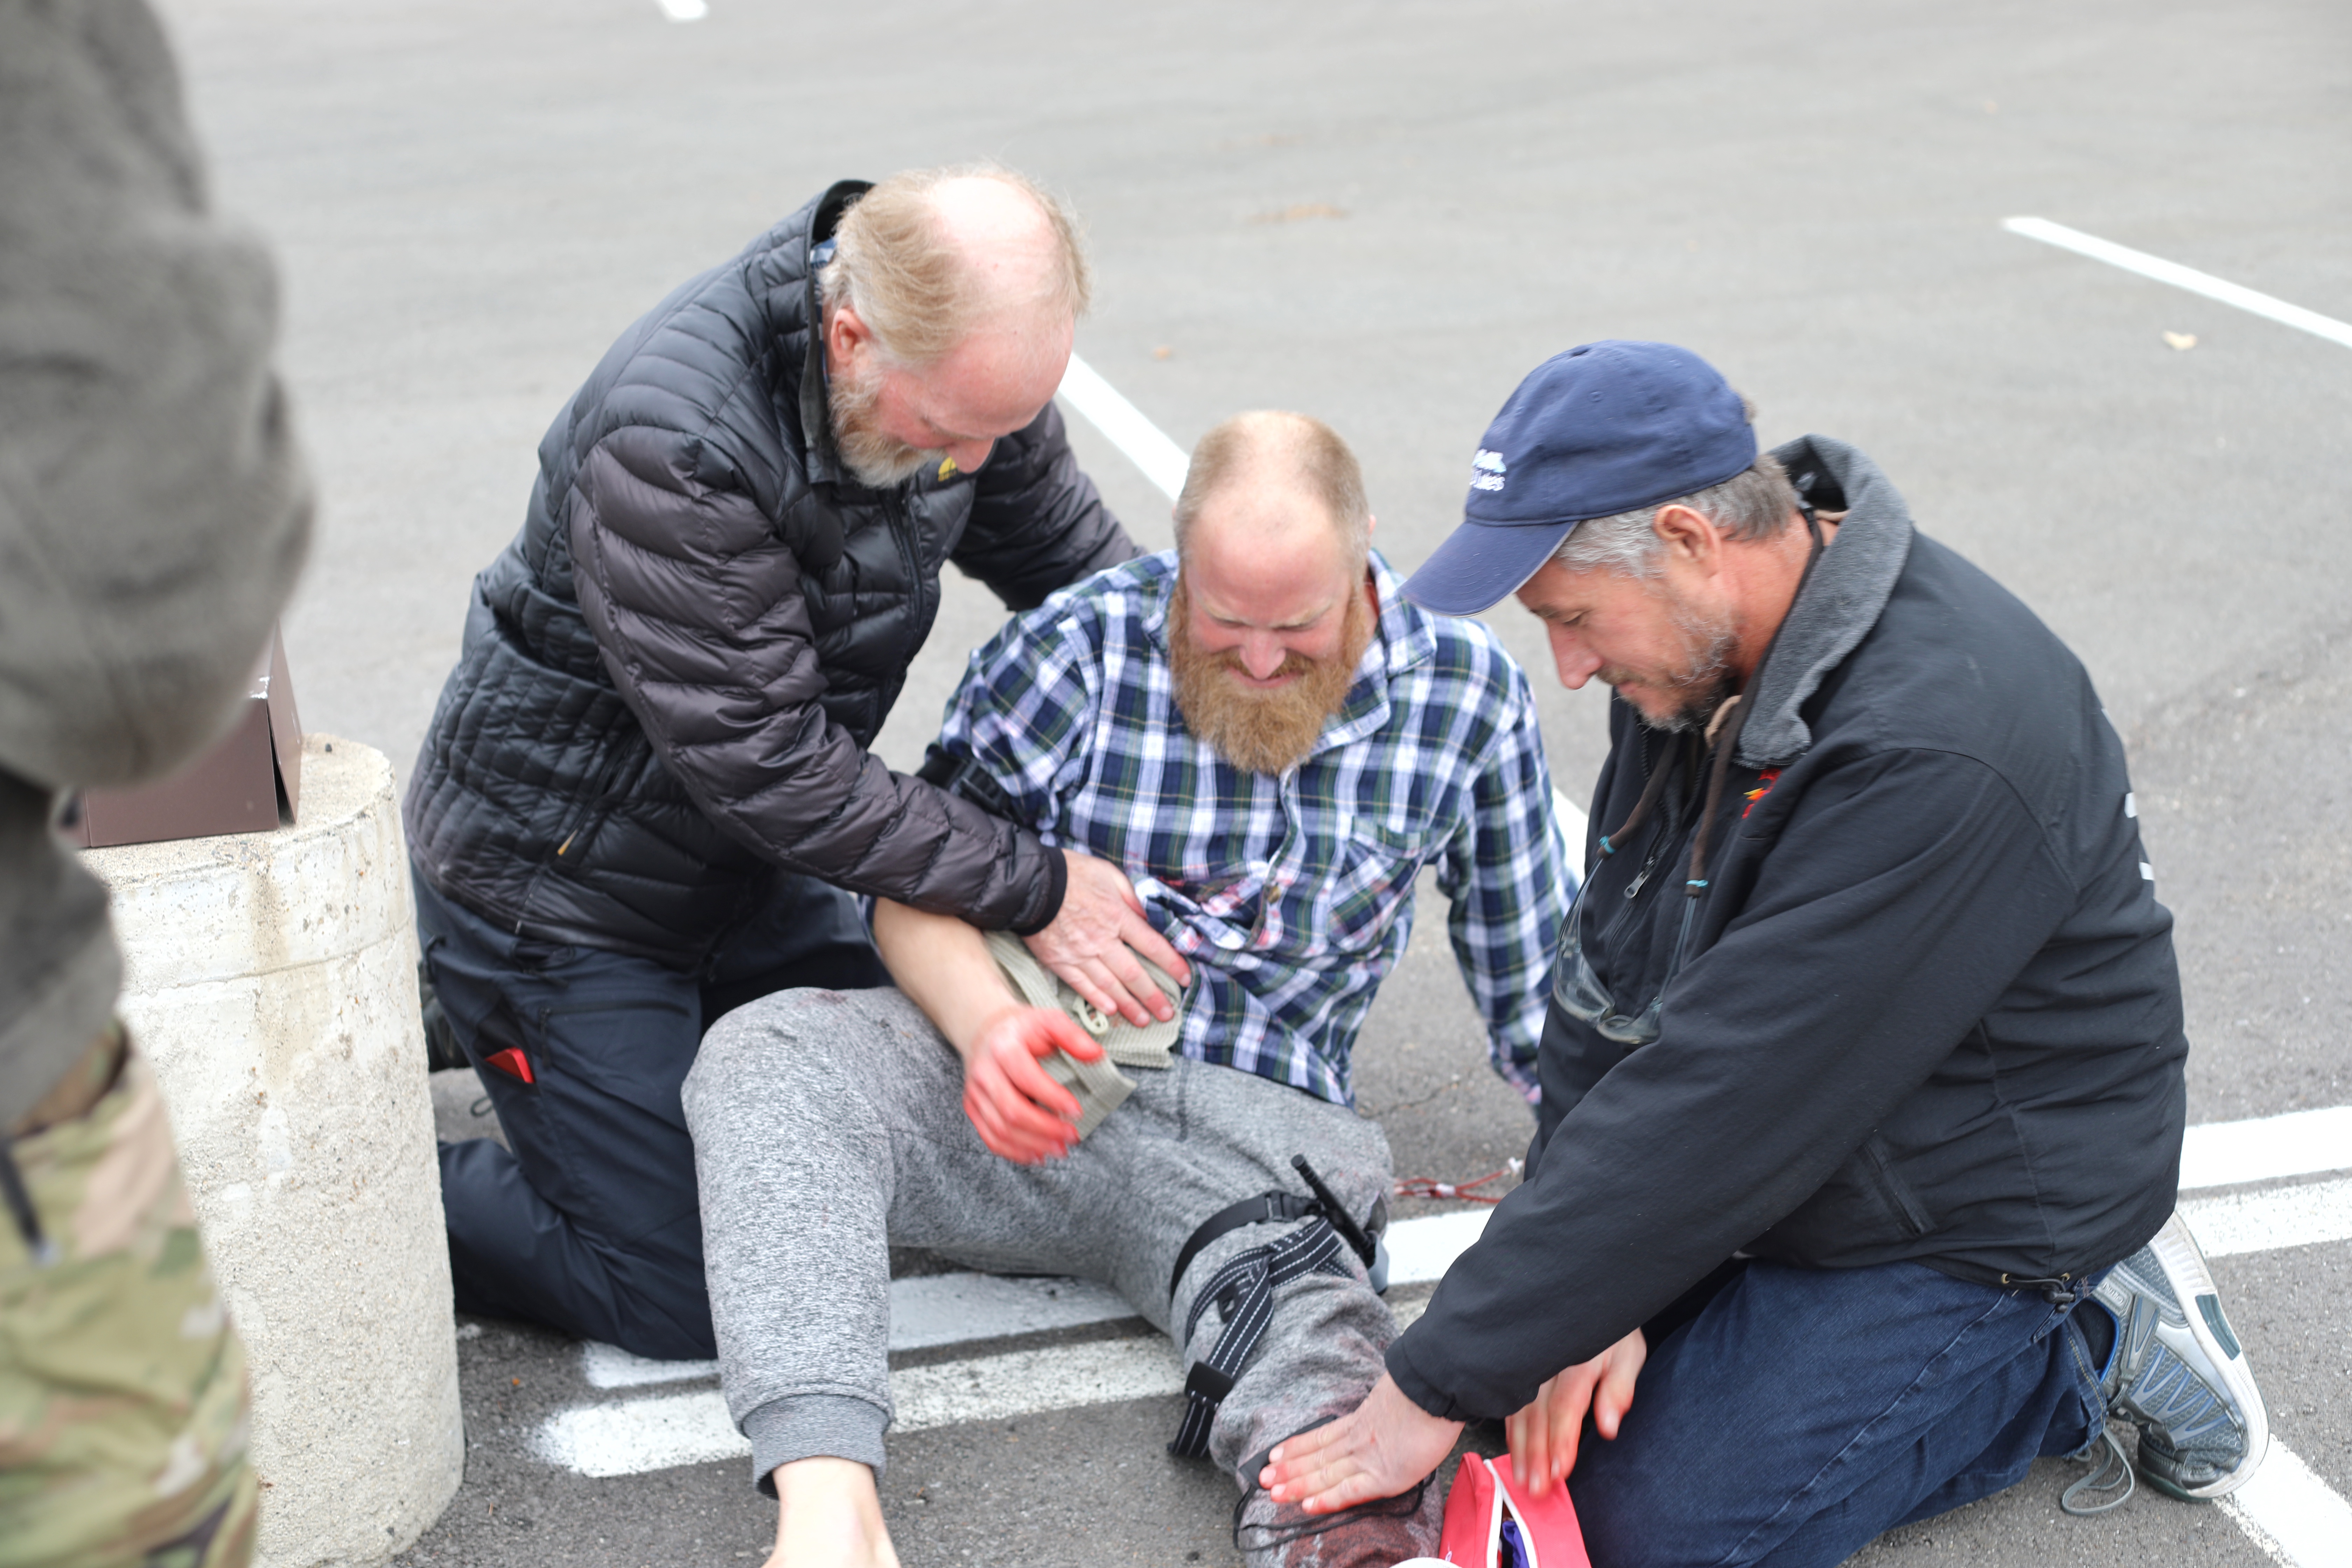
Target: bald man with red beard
[{"x": 1272, "y": 745}]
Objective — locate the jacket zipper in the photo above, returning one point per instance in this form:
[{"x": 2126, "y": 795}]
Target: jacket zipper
[{"x": 1634, "y": 888}]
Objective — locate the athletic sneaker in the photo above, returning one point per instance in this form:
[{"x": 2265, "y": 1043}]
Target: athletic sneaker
[{"x": 2177, "y": 1371}]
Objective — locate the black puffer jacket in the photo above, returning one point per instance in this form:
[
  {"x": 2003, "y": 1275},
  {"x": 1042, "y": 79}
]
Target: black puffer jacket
[
  {"x": 1928, "y": 1012},
  {"x": 670, "y": 678}
]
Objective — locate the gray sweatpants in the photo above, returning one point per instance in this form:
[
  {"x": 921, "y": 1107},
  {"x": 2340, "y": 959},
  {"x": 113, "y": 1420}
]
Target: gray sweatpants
[{"x": 829, "y": 1125}]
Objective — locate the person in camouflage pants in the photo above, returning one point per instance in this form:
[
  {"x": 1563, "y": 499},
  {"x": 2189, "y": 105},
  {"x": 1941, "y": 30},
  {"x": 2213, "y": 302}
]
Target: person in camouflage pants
[
  {"x": 122, "y": 1386},
  {"x": 153, "y": 513}
]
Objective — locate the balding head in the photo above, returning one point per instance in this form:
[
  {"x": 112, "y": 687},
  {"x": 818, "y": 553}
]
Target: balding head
[
  {"x": 1288, "y": 470},
  {"x": 930, "y": 256},
  {"x": 948, "y": 305}
]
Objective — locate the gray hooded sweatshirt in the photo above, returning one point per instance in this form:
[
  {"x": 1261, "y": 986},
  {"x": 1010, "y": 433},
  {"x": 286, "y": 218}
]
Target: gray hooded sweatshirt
[{"x": 154, "y": 508}]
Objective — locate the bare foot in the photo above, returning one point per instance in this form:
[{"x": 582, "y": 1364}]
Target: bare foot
[{"x": 828, "y": 1515}]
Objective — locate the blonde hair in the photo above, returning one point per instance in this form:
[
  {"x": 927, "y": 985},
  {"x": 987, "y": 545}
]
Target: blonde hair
[
  {"x": 1305, "y": 445},
  {"x": 894, "y": 265}
]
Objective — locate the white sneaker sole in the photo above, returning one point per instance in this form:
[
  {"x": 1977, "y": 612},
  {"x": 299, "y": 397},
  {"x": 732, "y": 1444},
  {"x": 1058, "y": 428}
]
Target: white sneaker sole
[{"x": 2201, "y": 1304}]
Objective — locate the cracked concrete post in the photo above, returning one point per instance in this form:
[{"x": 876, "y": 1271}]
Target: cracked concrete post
[{"x": 271, "y": 978}]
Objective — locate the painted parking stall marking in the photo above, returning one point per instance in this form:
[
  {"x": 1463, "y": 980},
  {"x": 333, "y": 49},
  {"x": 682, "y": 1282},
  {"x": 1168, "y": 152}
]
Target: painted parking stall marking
[
  {"x": 2287, "y": 1511},
  {"x": 2268, "y": 1220},
  {"x": 2268, "y": 1149},
  {"x": 1144, "y": 444},
  {"x": 2253, "y": 301},
  {"x": 2292, "y": 1514},
  {"x": 628, "y": 1437}
]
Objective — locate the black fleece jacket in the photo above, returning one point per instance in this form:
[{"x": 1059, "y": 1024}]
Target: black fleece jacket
[{"x": 1927, "y": 1011}]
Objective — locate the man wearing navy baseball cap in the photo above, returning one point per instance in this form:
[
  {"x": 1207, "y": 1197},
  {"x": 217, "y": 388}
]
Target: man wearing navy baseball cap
[{"x": 1852, "y": 1187}]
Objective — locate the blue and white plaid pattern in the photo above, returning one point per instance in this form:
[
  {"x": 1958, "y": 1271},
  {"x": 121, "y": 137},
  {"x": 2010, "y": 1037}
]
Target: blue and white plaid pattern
[{"x": 1291, "y": 896}]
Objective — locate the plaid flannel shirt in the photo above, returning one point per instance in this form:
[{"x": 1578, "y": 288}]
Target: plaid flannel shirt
[{"x": 1291, "y": 896}]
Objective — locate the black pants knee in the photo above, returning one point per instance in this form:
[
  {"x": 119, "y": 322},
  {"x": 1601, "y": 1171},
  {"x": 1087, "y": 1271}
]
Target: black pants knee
[{"x": 591, "y": 1225}]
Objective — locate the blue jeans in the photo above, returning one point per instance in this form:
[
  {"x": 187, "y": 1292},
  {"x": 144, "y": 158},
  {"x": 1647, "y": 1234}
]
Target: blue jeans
[
  {"x": 1802, "y": 1411},
  {"x": 591, "y": 1224}
]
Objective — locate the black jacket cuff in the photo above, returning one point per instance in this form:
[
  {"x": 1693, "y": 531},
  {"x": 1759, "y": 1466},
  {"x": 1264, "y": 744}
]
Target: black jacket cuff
[
  {"x": 1417, "y": 1388},
  {"x": 1057, "y": 883}
]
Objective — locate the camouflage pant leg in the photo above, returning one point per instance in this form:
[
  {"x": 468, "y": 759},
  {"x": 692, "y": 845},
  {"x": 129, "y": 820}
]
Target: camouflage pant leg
[{"x": 122, "y": 1387}]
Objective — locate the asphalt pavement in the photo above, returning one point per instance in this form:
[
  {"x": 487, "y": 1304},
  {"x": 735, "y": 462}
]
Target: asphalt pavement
[{"x": 1384, "y": 215}]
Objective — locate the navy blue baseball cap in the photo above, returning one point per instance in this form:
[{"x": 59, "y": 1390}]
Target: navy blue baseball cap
[{"x": 1598, "y": 430}]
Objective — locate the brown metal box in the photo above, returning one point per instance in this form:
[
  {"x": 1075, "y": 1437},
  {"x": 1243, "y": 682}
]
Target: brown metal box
[{"x": 250, "y": 782}]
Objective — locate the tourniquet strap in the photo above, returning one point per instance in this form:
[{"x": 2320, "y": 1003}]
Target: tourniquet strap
[
  {"x": 1260, "y": 1210},
  {"x": 1243, "y": 1290}
]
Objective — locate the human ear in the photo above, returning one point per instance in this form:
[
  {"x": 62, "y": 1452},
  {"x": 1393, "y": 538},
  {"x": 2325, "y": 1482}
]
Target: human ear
[
  {"x": 1688, "y": 536},
  {"x": 846, "y": 337}
]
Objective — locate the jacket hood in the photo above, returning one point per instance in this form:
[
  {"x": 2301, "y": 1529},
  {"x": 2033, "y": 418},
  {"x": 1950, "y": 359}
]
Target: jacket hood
[{"x": 1841, "y": 601}]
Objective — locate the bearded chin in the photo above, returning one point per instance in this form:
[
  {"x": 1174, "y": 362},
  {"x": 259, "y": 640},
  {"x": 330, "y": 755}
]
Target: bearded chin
[
  {"x": 1702, "y": 683},
  {"x": 1696, "y": 707},
  {"x": 1261, "y": 731},
  {"x": 877, "y": 461}
]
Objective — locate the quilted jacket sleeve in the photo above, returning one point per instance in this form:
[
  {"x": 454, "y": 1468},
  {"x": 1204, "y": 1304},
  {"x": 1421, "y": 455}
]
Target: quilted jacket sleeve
[
  {"x": 697, "y": 606},
  {"x": 1037, "y": 523}
]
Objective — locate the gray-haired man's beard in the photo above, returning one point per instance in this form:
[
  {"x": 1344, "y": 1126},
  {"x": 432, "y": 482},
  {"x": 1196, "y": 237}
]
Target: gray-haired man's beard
[
  {"x": 879, "y": 462},
  {"x": 1698, "y": 686},
  {"x": 1261, "y": 731}
]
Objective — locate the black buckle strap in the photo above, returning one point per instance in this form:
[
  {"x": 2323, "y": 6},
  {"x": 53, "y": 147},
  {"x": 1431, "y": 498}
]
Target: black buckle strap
[
  {"x": 1243, "y": 1291},
  {"x": 1207, "y": 1383},
  {"x": 1267, "y": 1209},
  {"x": 1272, "y": 1208},
  {"x": 1328, "y": 1204}
]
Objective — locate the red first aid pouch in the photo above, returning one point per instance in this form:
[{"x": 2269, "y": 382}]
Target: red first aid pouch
[{"x": 1489, "y": 1523}]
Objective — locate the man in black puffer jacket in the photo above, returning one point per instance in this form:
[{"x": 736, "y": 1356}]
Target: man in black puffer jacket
[{"x": 646, "y": 796}]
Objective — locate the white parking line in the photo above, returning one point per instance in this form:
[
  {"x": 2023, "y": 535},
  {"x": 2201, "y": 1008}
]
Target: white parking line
[
  {"x": 2286, "y": 1510},
  {"x": 631, "y": 1437},
  {"x": 624, "y": 1438},
  {"x": 2180, "y": 276},
  {"x": 2292, "y": 1514},
  {"x": 1421, "y": 1250},
  {"x": 1572, "y": 823},
  {"x": 2267, "y": 1221},
  {"x": 1163, "y": 462},
  {"x": 1064, "y": 1377},
  {"x": 926, "y": 1311},
  {"x": 684, "y": 10},
  {"x": 610, "y": 1366},
  {"x": 956, "y": 1308},
  {"x": 2267, "y": 1148}
]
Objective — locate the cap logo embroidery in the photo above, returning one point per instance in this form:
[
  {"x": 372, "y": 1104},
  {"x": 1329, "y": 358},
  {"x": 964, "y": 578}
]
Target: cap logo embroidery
[{"x": 1487, "y": 470}]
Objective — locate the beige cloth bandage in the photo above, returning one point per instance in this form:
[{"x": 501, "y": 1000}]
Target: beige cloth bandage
[{"x": 1099, "y": 1085}]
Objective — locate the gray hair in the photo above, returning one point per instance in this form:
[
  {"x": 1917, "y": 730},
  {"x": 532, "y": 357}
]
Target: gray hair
[
  {"x": 912, "y": 286},
  {"x": 1755, "y": 504}
]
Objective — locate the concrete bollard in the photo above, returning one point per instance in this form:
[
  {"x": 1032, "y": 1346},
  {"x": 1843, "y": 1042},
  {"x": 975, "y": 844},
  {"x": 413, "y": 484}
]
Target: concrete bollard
[{"x": 271, "y": 978}]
